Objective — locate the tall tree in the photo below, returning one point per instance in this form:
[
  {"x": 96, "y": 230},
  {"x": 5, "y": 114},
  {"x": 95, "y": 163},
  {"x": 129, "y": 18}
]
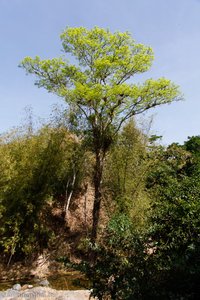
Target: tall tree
[{"x": 97, "y": 88}]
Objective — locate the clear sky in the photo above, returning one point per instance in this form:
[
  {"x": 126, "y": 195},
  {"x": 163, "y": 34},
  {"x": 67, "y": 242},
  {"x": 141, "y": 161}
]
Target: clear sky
[{"x": 171, "y": 28}]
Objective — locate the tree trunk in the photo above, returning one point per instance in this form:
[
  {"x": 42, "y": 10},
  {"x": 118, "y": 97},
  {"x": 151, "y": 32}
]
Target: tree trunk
[
  {"x": 85, "y": 203},
  {"x": 68, "y": 198},
  {"x": 98, "y": 170}
]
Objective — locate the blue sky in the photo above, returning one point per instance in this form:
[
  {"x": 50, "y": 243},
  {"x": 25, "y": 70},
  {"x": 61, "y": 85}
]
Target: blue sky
[{"x": 171, "y": 28}]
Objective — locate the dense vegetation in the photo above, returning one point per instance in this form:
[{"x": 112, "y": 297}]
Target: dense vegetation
[
  {"x": 148, "y": 246},
  {"x": 36, "y": 169},
  {"x": 143, "y": 238},
  {"x": 160, "y": 260}
]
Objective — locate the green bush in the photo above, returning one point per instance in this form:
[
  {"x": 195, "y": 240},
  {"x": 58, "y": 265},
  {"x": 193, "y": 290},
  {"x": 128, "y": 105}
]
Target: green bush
[
  {"x": 175, "y": 231},
  {"x": 161, "y": 263},
  {"x": 118, "y": 271},
  {"x": 35, "y": 169}
]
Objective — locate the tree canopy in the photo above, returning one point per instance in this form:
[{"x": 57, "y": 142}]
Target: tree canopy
[{"x": 97, "y": 86}]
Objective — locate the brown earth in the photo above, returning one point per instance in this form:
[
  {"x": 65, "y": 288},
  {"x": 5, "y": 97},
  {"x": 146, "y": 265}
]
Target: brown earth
[{"x": 69, "y": 233}]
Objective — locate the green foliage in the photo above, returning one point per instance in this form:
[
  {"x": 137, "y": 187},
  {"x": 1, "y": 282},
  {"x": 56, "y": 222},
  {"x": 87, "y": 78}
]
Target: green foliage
[
  {"x": 119, "y": 270},
  {"x": 175, "y": 233},
  {"x": 96, "y": 88},
  {"x": 163, "y": 261},
  {"x": 193, "y": 146},
  {"x": 174, "y": 223},
  {"x": 126, "y": 170},
  {"x": 34, "y": 170},
  {"x": 167, "y": 165}
]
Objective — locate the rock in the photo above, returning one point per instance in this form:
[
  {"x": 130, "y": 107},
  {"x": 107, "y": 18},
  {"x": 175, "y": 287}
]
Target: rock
[
  {"x": 17, "y": 287},
  {"x": 44, "y": 282},
  {"x": 9, "y": 294},
  {"x": 26, "y": 286},
  {"x": 44, "y": 293}
]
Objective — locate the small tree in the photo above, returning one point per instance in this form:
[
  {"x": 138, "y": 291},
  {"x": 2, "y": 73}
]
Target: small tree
[
  {"x": 125, "y": 173},
  {"x": 96, "y": 89}
]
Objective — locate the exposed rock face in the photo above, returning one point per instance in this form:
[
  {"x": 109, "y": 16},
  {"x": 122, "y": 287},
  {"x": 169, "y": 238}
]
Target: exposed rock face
[{"x": 44, "y": 293}]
